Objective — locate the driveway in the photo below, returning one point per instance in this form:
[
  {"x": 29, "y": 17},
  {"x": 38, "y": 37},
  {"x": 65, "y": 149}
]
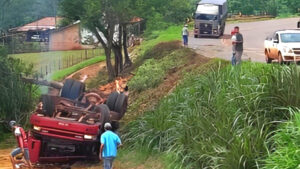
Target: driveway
[{"x": 254, "y": 35}]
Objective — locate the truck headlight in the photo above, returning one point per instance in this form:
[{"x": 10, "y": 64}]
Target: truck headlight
[
  {"x": 90, "y": 137},
  {"x": 287, "y": 50},
  {"x": 36, "y": 128}
]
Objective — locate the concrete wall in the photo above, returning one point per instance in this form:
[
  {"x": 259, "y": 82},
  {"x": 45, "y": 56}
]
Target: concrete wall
[{"x": 67, "y": 38}]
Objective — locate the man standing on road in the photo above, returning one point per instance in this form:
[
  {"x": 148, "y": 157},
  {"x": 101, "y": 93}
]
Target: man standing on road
[
  {"x": 109, "y": 144},
  {"x": 22, "y": 141},
  {"x": 185, "y": 35},
  {"x": 238, "y": 45}
]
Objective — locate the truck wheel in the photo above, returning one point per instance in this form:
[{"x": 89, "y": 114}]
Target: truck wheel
[
  {"x": 48, "y": 105},
  {"x": 280, "y": 59},
  {"x": 268, "y": 59},
  {"x": 115, "y": 125},
  {"x": 121, "y": 104},
  {"x": 66, "y": 88},
  {"x": 105, "y": 116},
  {"x": 72, "y": 89},
  {"x": 111, "y": 101},
  {"x": 195, "y": 36},
  {"x": 77, "y": 89}
]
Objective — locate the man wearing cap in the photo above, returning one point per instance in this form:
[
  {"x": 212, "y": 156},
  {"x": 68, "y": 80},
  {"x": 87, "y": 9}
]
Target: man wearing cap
[
  {"x": 109, "y": 144},
  {"x": 22, "y": 148},
  {"x": 185, "y": 35}
]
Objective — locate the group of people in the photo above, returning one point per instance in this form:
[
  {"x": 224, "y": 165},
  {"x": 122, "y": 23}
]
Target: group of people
[
  {"x": 109, "y": 140},
  {"x": 237, "y": 43}
]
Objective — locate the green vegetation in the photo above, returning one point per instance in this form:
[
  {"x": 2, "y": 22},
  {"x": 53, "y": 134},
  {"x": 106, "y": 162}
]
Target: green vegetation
[
  {"x": 285, "y": 153},
  {"x": 56, "y": 58},
  {"x": 17, "y": 97},
  {"x": 221, "y": 119},
  {"x": 19, "y": 12},
  {"x": 286, "y": 146},
  {"x": 153, "y": 71},
  {"x": 170, "y": 34},
  {"x": 259, "y": 7},
  {"x": 61, "y": 74}
]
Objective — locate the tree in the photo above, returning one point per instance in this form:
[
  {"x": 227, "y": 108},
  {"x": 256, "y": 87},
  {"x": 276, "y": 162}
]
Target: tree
[
  {"x": 107, "y": 20},
  {"x": 15, "y": 13}
]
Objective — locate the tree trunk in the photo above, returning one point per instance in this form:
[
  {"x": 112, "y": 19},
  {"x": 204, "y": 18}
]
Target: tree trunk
[
  {"x": 107, "y": 48},
  {"x": 110, "y": 69},
  {"x": 127, "y": 59},
  {"x": 118, "y": 59}
]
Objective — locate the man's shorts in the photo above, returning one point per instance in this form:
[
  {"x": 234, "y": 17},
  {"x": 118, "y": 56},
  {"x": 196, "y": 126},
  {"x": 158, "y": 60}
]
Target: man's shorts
[{"x": 19, "y": 150}]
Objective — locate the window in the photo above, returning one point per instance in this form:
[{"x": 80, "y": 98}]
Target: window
[{"x": 290, "y": 37}]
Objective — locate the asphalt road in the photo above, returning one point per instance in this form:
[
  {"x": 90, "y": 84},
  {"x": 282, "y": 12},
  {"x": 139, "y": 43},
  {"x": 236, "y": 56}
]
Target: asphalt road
[{"x": 254, "y": 35}]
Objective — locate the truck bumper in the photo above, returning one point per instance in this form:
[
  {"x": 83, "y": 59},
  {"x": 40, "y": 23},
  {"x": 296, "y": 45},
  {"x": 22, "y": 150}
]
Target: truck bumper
[
  {"x": 291, "y": 58},
  {"x": 53, "y": 149},
  {"x": 213, "y": 33}
]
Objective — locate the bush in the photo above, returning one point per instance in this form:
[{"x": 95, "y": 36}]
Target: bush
[
  {"x": 286, "y": 154},
  {"x": 222, "y": 119},
  {"x": 17, "y": 97}
]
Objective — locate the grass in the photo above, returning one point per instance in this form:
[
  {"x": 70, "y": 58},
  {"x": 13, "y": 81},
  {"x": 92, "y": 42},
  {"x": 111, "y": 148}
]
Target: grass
[
  {"x": 219, "y": 120},
  {"x": 286, "y": 151},
  {"x": 171, "y": 34},
  {"x": 61, "y": 74},
  {"x": 153, "y": 71},
  {"x": 54, "y": 58}
]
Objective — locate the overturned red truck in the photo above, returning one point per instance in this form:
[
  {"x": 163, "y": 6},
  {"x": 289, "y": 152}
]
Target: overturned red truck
[{"x": 67, "y": 125}]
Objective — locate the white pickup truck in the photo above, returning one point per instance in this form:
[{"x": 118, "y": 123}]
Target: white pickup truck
[{"x": 284, "y": 46}]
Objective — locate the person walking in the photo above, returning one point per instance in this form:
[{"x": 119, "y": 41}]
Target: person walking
[
  {"x": 22, "y": 148},
  {"x": 185, "y": 35},
  {"x": 109, "y": 145},
  {"x": 238, "y": 45}
]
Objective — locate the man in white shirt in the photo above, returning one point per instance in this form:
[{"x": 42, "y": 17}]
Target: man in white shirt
[{"x": 185, "y": 35}]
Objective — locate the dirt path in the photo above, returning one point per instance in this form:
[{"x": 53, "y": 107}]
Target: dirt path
[
  {"x": 4, "y": 159},
  {"x": 88, "y": 72},
  {"x": 254, "y": 35}
]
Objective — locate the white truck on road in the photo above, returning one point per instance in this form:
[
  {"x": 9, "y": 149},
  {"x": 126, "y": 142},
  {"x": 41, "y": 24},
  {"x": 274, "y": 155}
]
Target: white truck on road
[{"x": 284, "y": 46}]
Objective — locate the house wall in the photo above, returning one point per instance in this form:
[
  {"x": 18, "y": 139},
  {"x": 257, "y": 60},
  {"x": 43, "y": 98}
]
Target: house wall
[{"x": 65, "y": 39}]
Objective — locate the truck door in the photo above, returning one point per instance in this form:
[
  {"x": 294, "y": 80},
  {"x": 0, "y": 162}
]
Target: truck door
[{"x": 274, "y": 47}]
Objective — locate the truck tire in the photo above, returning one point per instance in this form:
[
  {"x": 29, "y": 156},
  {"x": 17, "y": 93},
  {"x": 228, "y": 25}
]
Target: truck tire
[
  {"x": 72, "y": 89},
  {"x": 115, "y": 125},
  {"x": 76, "y": 90},
  {"x": 48, "y": 105},
  {"x": 105, "y": 114},
  {"x": 268, "y": 59},
  {"x": 65, "y": 91},
  {"x": 121, "y": 104},
  {"x": 111, "y": 101},
  {"x": 195, "y": 36},
  {"x": 280, "y": 59}
]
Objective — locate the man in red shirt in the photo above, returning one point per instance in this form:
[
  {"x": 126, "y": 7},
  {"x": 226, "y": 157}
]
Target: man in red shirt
[{"x": 22, "y": 148}]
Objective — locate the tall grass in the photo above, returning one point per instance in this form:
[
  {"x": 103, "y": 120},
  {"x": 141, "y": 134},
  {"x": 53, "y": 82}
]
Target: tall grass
[
  {"x": 221, "y": 119},
  {"x": 286, "y": 151}
]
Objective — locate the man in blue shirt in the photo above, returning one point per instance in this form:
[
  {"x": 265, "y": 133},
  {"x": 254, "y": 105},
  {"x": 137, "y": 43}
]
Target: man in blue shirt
[{"x": 109, "y": 144}]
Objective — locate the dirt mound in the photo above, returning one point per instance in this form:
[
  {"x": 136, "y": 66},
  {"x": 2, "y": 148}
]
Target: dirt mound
[{"x": 163, "y": 49}]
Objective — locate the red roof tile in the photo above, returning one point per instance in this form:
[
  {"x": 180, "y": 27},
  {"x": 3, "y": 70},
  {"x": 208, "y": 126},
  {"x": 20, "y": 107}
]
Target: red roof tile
[{"x": 42, "y": 24}]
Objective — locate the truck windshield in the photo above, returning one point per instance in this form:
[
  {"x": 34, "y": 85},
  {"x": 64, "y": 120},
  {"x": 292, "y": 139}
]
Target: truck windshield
[
  {"x": 290, "y": 37},
  {"x": 206, "y": 17}
]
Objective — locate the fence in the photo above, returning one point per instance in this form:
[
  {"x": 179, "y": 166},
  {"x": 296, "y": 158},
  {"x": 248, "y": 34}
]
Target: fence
[{"x": 63, "y": 62}]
